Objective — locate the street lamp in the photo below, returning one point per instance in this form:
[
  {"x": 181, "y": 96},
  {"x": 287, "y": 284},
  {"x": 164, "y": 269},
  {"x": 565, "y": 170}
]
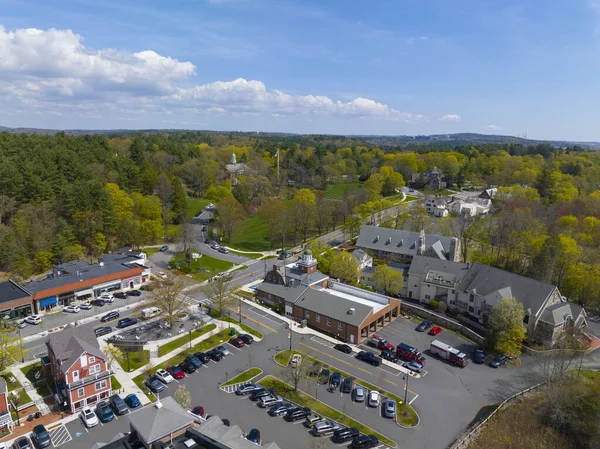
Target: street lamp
[
  {"x": 21, "y": 345},
  {"x": 128, "y": 365},
  {"x": 289, "y": 327},
  {"x": 240, "y": 308},
  {"x": 190, "y": 338},
  {"x": 226, "y": 377},
  {"x": 406, "y": 376}
]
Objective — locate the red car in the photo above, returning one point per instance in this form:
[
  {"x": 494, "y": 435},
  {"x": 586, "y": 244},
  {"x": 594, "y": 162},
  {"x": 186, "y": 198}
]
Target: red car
[
  {"x": 435, "y": 330},
  {"x": 237, "y": 342},
  {"x": 176, "y": 372}
]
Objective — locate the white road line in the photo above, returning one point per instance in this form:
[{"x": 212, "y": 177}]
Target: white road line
[{"x": 413, "y": 399}]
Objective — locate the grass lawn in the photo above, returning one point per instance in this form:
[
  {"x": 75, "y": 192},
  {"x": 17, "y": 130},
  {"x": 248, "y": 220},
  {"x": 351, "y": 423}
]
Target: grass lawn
[
  {"x": 181, "y": 341},
  {"x": 590, "y": 375},
  {"x": 244, "y": 377},
  {"x": 411, "y": 198},
  {"x": 149, "y": 251},
  {"x": 337, "y": 191},
  {"x": 135, "y": 360},
  {"x": 203, "y": 268},
  {"x": 229, "y": 319},
  {"x": 249, "y": 255},
  {"x": 195, "y": 205},
  {"x": 114, "y": 383},
  {"x": 24, "y": 398},
  {"x": 245, "y": 294},
  {"x": 43, "y": 388},
  {"x": 253, "y": 235},
  {"x": 269, "y": 257},
  {"x": 406, "y": 414},
  {"x": 287, "y": 391},
  {"x": 30, "y": 371},
  {"x": 11, "y": 385}
]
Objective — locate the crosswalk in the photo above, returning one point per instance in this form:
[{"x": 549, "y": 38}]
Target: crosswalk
[{"x": 60, "y": 435}]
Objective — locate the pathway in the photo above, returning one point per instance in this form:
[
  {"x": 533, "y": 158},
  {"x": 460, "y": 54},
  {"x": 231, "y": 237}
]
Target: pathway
[{"x": 29, "y": 387}]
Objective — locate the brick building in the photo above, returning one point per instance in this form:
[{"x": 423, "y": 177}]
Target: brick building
[
  {"x": 78, "y": 367},
  {"x": 15, "y": 301}
]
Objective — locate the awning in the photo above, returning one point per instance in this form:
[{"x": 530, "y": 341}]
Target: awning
[
  {"x": 84, "y": 292},
  {"x": 48, "y": 301}
]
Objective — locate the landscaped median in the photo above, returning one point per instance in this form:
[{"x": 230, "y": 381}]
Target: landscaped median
[
  {"x": 246, "y": 376},
  {"x": 229, "y": 319},
  {"x": 286, "y": 391},
  {"x": 181, "y": 341},
  {"x": 406, "y": 415}
]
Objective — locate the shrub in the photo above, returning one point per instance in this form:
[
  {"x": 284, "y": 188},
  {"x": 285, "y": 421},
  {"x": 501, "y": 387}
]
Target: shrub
[
  {"x": 433, "y": 304},
  {"x": 442, "y": 307},
  {"x": 454, "y": 311}
]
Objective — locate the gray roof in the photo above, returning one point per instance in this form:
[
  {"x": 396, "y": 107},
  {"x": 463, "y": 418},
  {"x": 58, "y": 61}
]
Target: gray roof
[
  {"x": 485, "y": 280},
  {"x": 72, "y": 342},
  {"x": 9, "y": 291},
  {"x": 153, "y": 423},
  {"x": 289, "y": 294},
  {"x": 556, "y": 314},
  {"x": 360, "y": 254},
  {"x": 231, "y": 437},
  {"x": 398, "y": 241},
  {"x": 333, "y": 306},
  {"x": 420, "y": 264},
  {"x": 3, "y": 386}
]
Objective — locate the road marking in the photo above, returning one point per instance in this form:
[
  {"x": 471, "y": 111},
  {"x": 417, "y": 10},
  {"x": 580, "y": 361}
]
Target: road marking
[
  {"x": 60, "y": 435},
  {"x": 266, "y": 316},
  {"x": 253, "y": 320}
]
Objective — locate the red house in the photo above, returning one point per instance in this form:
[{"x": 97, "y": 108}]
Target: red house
[{"x": 78, "y": 367}]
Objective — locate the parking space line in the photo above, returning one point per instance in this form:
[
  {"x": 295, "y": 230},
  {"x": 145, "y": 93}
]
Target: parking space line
[{"x": 266, "y": 316}]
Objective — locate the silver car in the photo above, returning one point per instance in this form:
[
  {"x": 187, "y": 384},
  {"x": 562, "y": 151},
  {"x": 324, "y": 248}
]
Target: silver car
[
  {"x": 223, "y": 350},
  {"x": 359, "y": 394},
  {"x": 389, "y": 408}
]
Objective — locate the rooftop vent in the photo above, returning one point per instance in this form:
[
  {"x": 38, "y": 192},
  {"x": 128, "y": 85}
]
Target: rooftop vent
[
  {"x": 101, "y": 264},
  {"x": 377, "y": 239},
  {"x": 389, "y": 240},
  {"x": 351, "y": 311}
]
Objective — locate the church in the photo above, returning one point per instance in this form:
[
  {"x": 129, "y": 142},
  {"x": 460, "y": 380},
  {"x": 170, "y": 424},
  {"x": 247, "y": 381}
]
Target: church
[{"x": 234, "y": 169}]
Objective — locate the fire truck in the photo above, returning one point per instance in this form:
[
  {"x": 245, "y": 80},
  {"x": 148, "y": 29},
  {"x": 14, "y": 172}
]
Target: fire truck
[
  {"x": 447, "y": 352},
  {"x": 409, "y": 353},
  {"x": 381, "y": 343}
]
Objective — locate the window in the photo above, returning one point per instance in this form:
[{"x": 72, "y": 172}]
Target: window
[
  {"x": 75, "y": 376},
  {"x": 80, "y": 392},
  {"x": 100, "y": 385},
  {"x": 471, "y": 297},
  {"x": 339, "y": 325},
  {"x": 328, "y": 321},
  {"x": 95, "y": 368},
  {"x": 427, "y": 297},
  {"x": 317, "y": 317},
  {"x": 92, "y": 359},
  {"x": 453, "y": 292},
  {"x": 307, "y": 314},
  {"x": 471, "y": 309}
]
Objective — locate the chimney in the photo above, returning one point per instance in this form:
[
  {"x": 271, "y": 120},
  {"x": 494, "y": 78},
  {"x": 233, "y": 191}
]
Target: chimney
[
  {"x": 376, "y": 239},
  {"x": 158, "y": 404},
  {"x": 389, "y": 240}
]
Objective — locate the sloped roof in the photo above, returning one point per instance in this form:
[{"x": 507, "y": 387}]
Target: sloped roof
[
  {"x": 420, "y": 264},
  {"x": 10, "y": 290},
  {"x": 3, "y": 386},
  {"x": 289, "y": 294},
  {"x": 71, "y": 343},
  {"x": 556, "y": 314},
  {"x": 153, "y": 423},
  {"x": 232, "y": 437},
  {"x": 485, "y": 280},
  {"x": 333, "y": 306}
]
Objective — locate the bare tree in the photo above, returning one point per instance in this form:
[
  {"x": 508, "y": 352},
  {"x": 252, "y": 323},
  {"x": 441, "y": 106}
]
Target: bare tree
[
  {"x": 220, "y": 293},
  {"x": 295, "y": 374},
  {"x": 183, "y": 397},
  {"x": 170, "y": 297},
  {"x": 186, "y": 238},
  {"x": 465, "y": 229}
]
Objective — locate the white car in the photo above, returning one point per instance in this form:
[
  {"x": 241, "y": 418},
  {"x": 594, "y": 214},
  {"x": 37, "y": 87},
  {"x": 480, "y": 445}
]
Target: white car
[
  {"x": 33, "y": 319},
  {"x": 106, "y": 293},
  {"x": 107, "y": 297},
  {"x": 373, "y": 400},
  {"x": 162, "y": 274},
  {"x": 296, "y": 360},
  {"x": 164, "y": 376},
  {"x": 72, "y": 309},
  {"x": 85, "y": 306},
  {"x": 88, "y": 417}
]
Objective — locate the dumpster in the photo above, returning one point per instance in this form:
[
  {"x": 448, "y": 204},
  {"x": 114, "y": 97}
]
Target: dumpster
[
  {"x": 232, "y": 332},
  {"x": 303, "y": 323}
]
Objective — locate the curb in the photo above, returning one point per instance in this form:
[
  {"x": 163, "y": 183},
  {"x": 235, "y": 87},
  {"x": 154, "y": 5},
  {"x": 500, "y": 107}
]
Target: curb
[{"x": 237, "y": 384}]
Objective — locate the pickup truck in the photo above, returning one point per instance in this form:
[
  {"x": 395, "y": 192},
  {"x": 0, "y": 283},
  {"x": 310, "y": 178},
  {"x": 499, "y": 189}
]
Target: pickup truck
[
  {"x": 369, "y": 357},
  {"x": 381, "y": 343}
]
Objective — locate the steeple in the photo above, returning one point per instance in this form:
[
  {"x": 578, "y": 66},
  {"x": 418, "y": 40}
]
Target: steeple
[{"x": 233, "y": 160}]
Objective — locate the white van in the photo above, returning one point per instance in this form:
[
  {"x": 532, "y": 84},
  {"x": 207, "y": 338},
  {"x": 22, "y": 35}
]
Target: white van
[{"x": 151, "y": 312}]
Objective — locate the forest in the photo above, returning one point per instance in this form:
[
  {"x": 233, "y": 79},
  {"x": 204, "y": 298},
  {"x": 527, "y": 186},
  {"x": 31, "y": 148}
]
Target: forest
[{"x": 64, "y": 197}]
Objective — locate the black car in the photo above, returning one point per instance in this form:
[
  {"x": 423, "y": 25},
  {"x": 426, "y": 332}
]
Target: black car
[
  {"x": 40, "y": 436},
  {"x": 22, "y": 443},
  {"x": 257, "y": 394},
  {"x": 246, "y": 338},
  {"x": 364, "y": 442},
  {"x": 424, "y": 326},
  {"x": 280, "y": 409},
  {"x": 102, "y": 330},
  {"x": 215, "y": 355},
  {"x": 389, "y": 355},
  {"x": 126, "y": 322},
  {"x": 193, "y": 360},
  {"x": 343, "y": 348},
  {"x": 254, "y": 436},
  {"x": 369, "y": 357},
  {"x": 110, "y": 316},
  {"x": 479, "y": 356},
  {"x": 207, "y": 241},
  {"x": 324, "y": 376},
  {"x": 98, "y": 302},
  {"x": 104, "y": 412},
  {"x": 335, "y": 380},
  {"x": 118, "y": 404},
  {"x": 347, "y": 385},
  {"x": 155, "y": 385},
  {"x": 345, "y": 434},
  {"x": 498, "y": 361},
  {"x": 187, "y": 367},
  {"x": 203, "y": 357},
  {"x": 120, "y": 295},
  {"x": 134, "y": 293},
  {"x": 296, "y": 414}
]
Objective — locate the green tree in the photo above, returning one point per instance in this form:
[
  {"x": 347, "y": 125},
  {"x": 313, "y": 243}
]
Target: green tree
[
  {"x": 506, "y": 318},
  {"x": 113, "y": 354},
  {"x": 183, "y": 397},
  {"x": 545, "y": 184},
  {"x": 230, "y": 215},
  {"x": 344, "y": 267},
  {"x": 510, "y": 342},
  {"x": 387, "y": 280},
  {"x": 375, "y": 185},
  {"x": 303, "y": 205},
  {"x": 43, "y": 260}
]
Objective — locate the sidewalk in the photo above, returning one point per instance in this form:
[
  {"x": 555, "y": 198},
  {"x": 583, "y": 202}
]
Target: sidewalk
[{"x": 128, "y": 384}]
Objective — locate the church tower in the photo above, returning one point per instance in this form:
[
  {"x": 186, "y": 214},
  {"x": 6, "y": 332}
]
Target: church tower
[
  {"x": 308, "y": 264},
  {"x": 233, "y": 159}
]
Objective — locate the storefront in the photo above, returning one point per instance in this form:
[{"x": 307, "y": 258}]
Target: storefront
[
  {"x": 131, "y": 283},
  {"x": 65, "y": 299},
  {"x": 17, "y": 312},
  {"x": 84, "y": 295},
  {"x": 48, "y": 303},
  {"x": 107, "y": 287}
]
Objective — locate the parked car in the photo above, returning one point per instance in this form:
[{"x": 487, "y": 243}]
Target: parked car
[
  {"x": 193, "y": 360},
  {"x": 389, "y": 408},
  {"x": 85, "y": 306},
  {"x": 324, "y": 376},
  {"x": 296, "y": 414},
  {"x": 110, "y": 316},
  {"x": 312, "y": 419},
  {"x": 347, "y": 385},
  {"x": 261, "y": 392},
  {"x": 155, "y": 385},
  {"x": 104, "y": 412},
  {"x": 324, "y": 428},
  {"x": 121, "y": 295},
  {"x": 246, "y": 338},
  {"x": 223, "y": 350},
  {"x": 435, "y": 330},
  {"x": 164, "y": 248},
  {"x": 187, "y": 367},
  {"x": 245, "y": 389},
  {"x": 269, "y": 401},
  {"x": 315, "y": 369},
  {"x": 207, "y": 241},
  {"x": 424, "y": 325},
  {"x": 33, "y": 319},
  {"x": 118, "y": 404},
  {"x": 132, "y": 401},
  {"x": 134, "y": 293},
  {"x": 359, "y": 393},
  {"x": 374, "y": 398},
  {"x": 343, "y": 348},
  {"x": 22, "y": 324},
  {"x": 369, "y": 357},
  {"x": 88, "y": 417},
  {"x": 364, "y": 442},
  {"x": 175, "y": 372},
  {"x": 335, "y": 381},
  {"x": 107, "y": 298},
  {"x": 162, "y": 274},
  {"x": 102, "y": 330},
  {"x": 164, "y": 376},
  {"x": 479, "y": 356},
  {"x": 296, "y": 361},
  {"x": 237, "y": 342},
  {"x": 72, "y": 309},
  {"x": 345, "y": 434},
  {"x": 22, "y": 443},
  {"x": 223, "y": 250},
  {"x": 198, "y": 410},
  {"x": 389, "y": 356},
  {"x": 40, "y": 436},
  {"x": 126, "y": 322},
  {"x": 498, "y": 361},
  {"x": 413, "y": 366},
  {"x": 215, "y": 355},
  {"x": 254, "y": 436},
  {"x": 280, "y": 409},
  {"x": 98, "y": 302},
  {"x": 203, "y": 357}
]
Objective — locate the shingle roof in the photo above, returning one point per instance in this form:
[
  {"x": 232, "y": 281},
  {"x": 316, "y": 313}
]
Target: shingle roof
[
  {"x": 420, "y": 264},
  {"x": 289, "y": 294},
  {"x": 3, "y": 386},
  {"x": 485, "y": 280},
  {"x": 72, "y": 342},
  {"x": 230, "y": 437},
  {"x": 556, "y": 314},
  {"x": 333, "y": 306},
  {"x": 398, "y": 241},
  {"x": 9, "y": 291},
  {"x": 153, "y": 423}
]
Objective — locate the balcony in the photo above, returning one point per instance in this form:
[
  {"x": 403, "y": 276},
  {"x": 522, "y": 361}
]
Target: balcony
[{"x": 89, "y": 380}]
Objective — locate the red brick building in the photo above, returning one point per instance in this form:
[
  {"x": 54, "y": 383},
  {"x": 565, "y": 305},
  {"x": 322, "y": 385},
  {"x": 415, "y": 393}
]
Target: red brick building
[{"x": 78, "y": 367}]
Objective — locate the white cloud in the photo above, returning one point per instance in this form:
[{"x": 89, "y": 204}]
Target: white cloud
[
  {"x": 53, "y": 71},
  {"x": 450, "y": 118},
  {"x": 493, "y": 127}
]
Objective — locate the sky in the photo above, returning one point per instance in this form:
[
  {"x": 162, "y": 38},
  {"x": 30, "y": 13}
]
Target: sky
[{"x": 387, "y": 67}]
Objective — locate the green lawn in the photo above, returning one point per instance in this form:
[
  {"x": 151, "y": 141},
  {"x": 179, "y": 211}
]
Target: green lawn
[
  {"x": 114, "y": 383},
  {"x": 195, "y": 205},
  {"x": 337, "y": 191},
  {"x": 203, "y": 268},
  {"x": 11, "y": 385},
  {"x": 150, "y": 251},
  {"x": 269, "y": 257},
  {"x": 243, "y": 377},
  {"x": 181, "y": 341},
  {"x": 283, "y": 357},
  {"x": 411, "y": 198},
  {"x": 229, "y": 319},
  {"x": 287, "y": 391},
  {"x": 137, "y": 359},
  {"x": 590, "y": 375},
  {"x": 253, "y": 235},
  {"x": 24, "y": 398}
]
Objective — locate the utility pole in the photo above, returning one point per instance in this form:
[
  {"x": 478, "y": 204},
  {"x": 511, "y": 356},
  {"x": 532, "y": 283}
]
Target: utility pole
[
  {"x": 290, "y": 335},
  {"x": 406, "y": 376}
]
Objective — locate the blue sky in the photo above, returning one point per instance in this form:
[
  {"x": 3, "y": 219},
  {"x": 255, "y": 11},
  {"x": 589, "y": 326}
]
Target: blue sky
[{"x": 338, "y": 67}]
